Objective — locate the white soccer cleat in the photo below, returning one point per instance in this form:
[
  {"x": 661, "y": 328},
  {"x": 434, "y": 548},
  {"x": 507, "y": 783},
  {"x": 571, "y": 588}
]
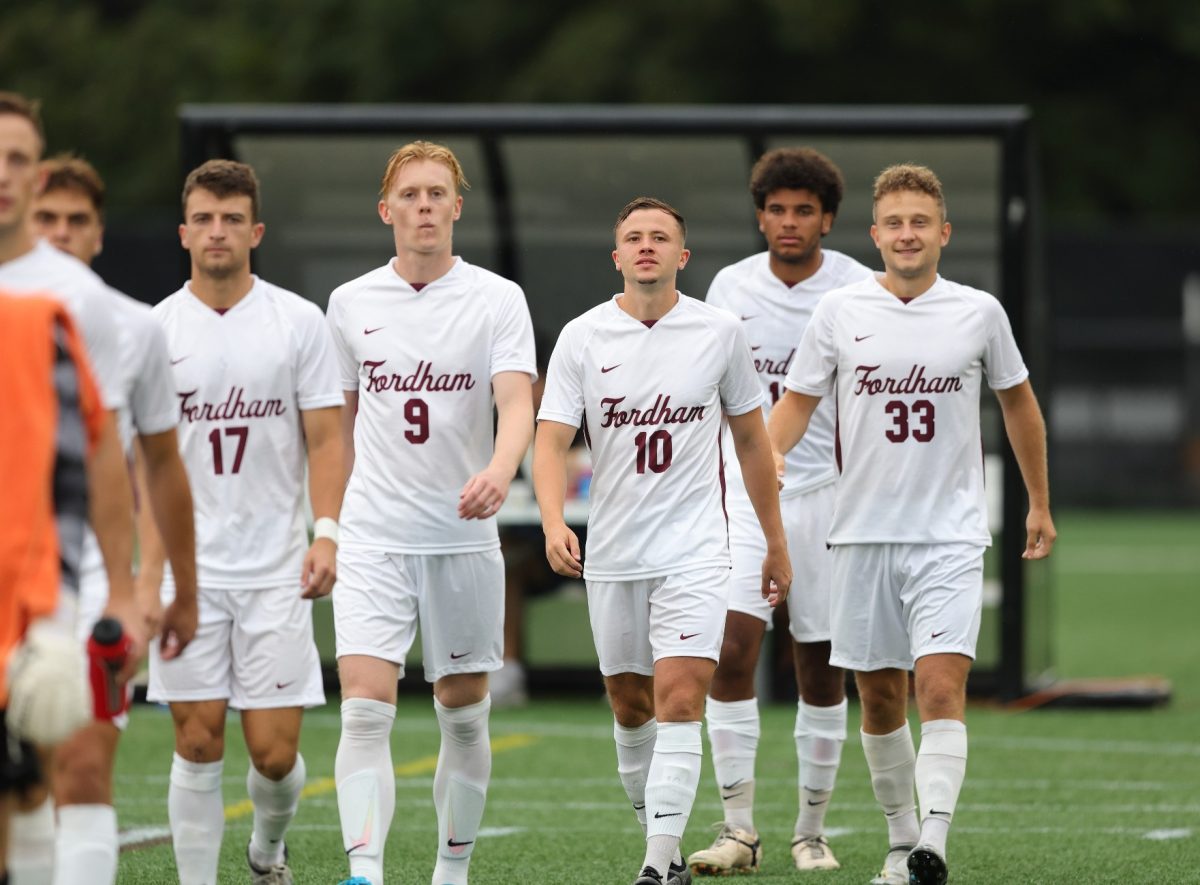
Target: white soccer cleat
[
  {"x": 49, "y": 697},
  {"x": 735, "y": 850},
  {"x": 895, "y": 867},
  {"x": 813, "y": 853}
]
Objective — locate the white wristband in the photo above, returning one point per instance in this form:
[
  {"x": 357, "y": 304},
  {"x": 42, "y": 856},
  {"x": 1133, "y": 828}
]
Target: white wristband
[{"x": 326, "y": 528}]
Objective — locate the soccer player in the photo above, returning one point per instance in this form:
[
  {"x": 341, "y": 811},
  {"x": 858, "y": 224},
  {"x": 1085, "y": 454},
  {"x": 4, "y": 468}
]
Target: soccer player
[
  {"x": 68, "y": 212},
  {"x": 649, "y": 375},
  {"x": 258, "y": 397},
  {"x": 29, "y": 265},
  {"x": 427, "y": 343},
  {"x": 57, "y": 447},
  {"x": 796, "y": 194},
  {"x": 905, "y": 354}
]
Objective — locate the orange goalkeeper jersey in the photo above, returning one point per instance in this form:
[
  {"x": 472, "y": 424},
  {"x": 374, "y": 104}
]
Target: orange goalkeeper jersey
[{"x": 50, "y": 418}]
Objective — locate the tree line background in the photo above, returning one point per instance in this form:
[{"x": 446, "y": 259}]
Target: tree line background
[{"x": 1113, "y": 84}]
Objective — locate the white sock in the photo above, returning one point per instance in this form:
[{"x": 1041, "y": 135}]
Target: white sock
[
  {"x": 31, "y": 846},
  {"x": 820, "y": 733},
  {"x": 275, "y": 804},
  {"x": 197, "y": 817},
  {"x": 86, "y": 848},
  {"x": 460, "y": 786},
  {"x": 941, "y": 767},
  {"x": 635, "y": 750},
  {"x": 366, "y": 784},
  {"x": 733, "y": 730},
  {"x": 671, "y": 790},
  {"x": 892, "y": 760}
]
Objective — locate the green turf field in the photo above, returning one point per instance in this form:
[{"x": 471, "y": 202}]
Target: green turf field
[{"x": 1051, "y": 796}]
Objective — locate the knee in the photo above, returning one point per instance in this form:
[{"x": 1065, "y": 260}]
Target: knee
[
  {"x": 940, "y": 698},
  {"x": 274, "y": 762},
  {"x": 196, "y": 741},
  {"x": 822, "y": 686},
  {"x": 84, "y": 776},
  {"x": 631, "y": 706}
]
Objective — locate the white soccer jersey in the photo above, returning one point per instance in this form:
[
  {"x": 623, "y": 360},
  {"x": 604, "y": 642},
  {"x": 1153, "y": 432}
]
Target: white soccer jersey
[
  {"x": 775, "y": 316},
  {"x": 146, "y": 388},
  {"x": 422, "y": 363},
  {"x": 650, "y": 401},
  {"x": 46, "y": 269},
  {"x": 907, "y": 378},
  {"x": 241, "y": 380}
]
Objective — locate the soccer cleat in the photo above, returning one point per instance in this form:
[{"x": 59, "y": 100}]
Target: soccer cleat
[
  {"x": 275, "y": 874},
  {"x": 812, "y": 853},
  {"x": 679, "y": 874},
  {"x": 735, "y": 850},
  {"x": 355, "y": 880},
  {"x": 926, "y": 867},
  {"x": 895, "y": 867},
  {"x": 649, "y": 876}
]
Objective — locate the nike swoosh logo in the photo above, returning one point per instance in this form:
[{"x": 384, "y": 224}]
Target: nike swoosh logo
[
  {"x": 732, "y": 785},
  {"x": 639, "y": 807},
  {"x": 731, "y": 795},
  {"x": 892, "y": 813},
  {"x": 936, "y": 635},
  {"x": 659, "y": 814},
  {"x": 455, "y": 657},
  {"x": 283, "y": 685},
  {"x": 450, "y": 843},
  {"x": 752, "y": 316},
  {"x": 864, "y": 337},
  {"x": 683, "y": 637},
  {"x": 942, "y": 813},
  {"x": 811, "y": 802},
  {"x": 373, "y": 331},
  {"x": 180, "y": 360},
  {"x": 604, "y": 370}
]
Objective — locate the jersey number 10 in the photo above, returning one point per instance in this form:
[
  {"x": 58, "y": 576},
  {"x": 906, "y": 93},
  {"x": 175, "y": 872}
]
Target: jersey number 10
[{"x": 653, "y": 451}]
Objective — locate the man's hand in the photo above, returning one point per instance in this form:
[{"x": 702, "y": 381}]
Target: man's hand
[
  {"x": 319, "y": 570},
  {"x": 132, "y": 624},
  {"x": 1039, "y": 535},
  {"x": 178, "y": 626},
  {"x": 776, "y": 576},
  {"x": 483, "y": 494},
  {"x": 562, "y": 552}
]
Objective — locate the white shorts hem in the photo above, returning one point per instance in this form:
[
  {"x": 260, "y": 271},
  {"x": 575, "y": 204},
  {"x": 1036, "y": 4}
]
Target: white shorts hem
[
  {"x": 868, "y": 666},
  {"x": 458, "y": 669},
  {"x": 636, "y": 669},
  {"x": 965, "y": 651}
]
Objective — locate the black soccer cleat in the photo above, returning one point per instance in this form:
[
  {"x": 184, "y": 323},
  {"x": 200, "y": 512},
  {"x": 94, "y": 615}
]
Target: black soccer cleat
[
  {"x": 649, "y": 876},
  {"x": 926, "y": 867},
  {"x": 679, "y": 874}
]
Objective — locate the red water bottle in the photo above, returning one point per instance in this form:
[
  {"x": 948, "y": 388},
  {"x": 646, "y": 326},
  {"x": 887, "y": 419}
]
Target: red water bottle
[{"x": 107, "y": 650}]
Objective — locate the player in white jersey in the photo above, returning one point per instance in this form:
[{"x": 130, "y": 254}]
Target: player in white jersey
[
  {"x": 258, "y": 400},
  {"x": 426, "y": 343},
  {"x": 30, "y": 266},
  {"x": 796, "y": 192},
  {"x": 68, "y": 213},
  {"x": 904, "y": 353},
  {"x": 651, "y": 375}
]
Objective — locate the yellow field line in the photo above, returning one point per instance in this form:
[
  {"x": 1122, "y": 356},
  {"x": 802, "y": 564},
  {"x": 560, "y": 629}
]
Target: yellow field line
[{"x": 424, "y": 765}]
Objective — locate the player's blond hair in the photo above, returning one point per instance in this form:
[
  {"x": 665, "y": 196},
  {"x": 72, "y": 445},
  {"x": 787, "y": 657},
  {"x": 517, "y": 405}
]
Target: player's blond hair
[
  {"x": 650, "y": 203},
  {"x": 223, "y": 178},
  {"x": 67, "y": 172},
  {"x": 909, "y": 177},
  {"x": 31, "y": 109},
  {"x": 423, "y": 150}
]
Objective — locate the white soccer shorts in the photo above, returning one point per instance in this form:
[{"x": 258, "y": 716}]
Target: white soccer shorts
[
  {"x": 894, "y": 603},
  {"x": 635, "y": 623},
  {"x": 806, "y": 520},
  {"x": 253, "y": 648},
  {"x": 456, "y": 598}
]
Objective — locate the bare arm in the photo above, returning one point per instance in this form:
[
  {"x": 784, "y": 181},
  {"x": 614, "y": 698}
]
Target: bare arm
[
  {"x": 110, "y": 510},
  {"x": 788, "y": 423},
  {"x": 166, "y": 489},
  {"x": 323, "y": 432},
  {"x": 550, "y": 486},
  {"x": 484, "y": 492},
  {"x": 1027, "y": 436},
  {"x": 754, "y": 454}
]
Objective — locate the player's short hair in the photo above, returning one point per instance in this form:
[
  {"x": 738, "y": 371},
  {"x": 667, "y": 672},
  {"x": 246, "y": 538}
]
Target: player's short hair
[
  {"x": 650, "y": 203},
  {"x": 909, "y": 177},
  {"x": 423, "y": 150},
  {"x": 797, "y": 169},
  {"x": 30, "y": 109},
  {"x": 66, "y": 172},
  {"x": 223, "y": 178}
]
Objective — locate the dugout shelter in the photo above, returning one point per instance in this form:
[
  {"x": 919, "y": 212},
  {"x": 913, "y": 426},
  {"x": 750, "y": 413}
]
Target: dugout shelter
[{"x": 548, "y": 180}]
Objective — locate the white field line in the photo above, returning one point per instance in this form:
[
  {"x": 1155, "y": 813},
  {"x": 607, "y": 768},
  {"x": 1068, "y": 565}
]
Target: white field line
[
  {"x": 1127, "y": 560},
  {"x": 1088, "y": 745}
]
